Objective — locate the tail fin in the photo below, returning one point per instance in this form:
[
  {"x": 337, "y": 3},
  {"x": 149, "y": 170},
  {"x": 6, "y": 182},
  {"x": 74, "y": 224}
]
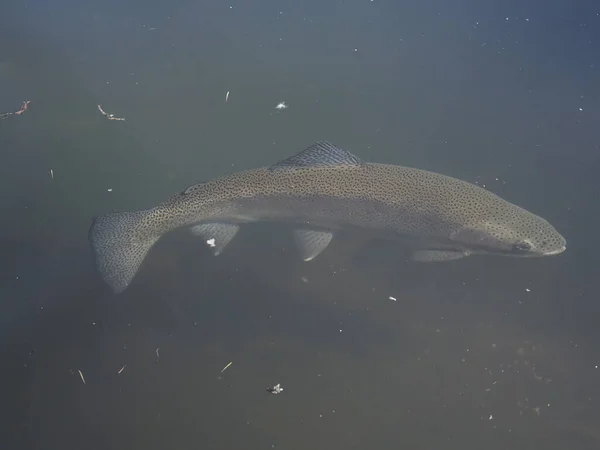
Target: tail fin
[{"x": 118, "y": 249}]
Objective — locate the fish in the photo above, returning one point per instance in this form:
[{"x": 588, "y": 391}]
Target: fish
[{"x": 321, "y": 191}]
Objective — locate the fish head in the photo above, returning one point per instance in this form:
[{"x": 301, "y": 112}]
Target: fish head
[{"x": 520, "y": 234}]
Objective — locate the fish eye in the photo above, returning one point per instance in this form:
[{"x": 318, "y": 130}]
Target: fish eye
[{"x": 523, "y": 246}]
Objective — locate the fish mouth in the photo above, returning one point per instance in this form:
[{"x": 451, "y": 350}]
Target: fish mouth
[{"x": 556, "y": 251}]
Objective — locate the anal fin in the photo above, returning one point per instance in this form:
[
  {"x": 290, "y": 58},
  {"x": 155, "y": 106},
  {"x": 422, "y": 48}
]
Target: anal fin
[
  {"x": 217, "y": 235},
  {"x": 311, "y": 243}
]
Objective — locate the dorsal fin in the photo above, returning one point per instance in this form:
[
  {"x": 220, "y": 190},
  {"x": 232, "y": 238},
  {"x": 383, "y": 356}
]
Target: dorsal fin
[
  {"x": 319, "y": 154},
  {"x": 192, "y": 188}
]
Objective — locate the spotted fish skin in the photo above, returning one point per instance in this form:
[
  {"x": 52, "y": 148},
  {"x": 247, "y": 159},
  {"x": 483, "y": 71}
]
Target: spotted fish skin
[{"x": 325, "y": 188}]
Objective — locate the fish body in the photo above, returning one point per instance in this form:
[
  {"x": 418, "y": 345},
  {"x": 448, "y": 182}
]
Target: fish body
[{"x": 321, "y": 190}]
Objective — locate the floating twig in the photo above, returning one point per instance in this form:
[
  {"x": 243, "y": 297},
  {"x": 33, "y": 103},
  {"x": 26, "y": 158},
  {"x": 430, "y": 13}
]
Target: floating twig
[
  {"x": 226, "y": 96},
  {"x": 121, "y": 369},
  {"x": 157, "y": 355},
  {"x": 24, "y": 107},
  {"x": 109, "y": 116},
  {"x": 226, "y": 367},
  {"x": 81, "y": 375},
  {"x": 52, "y": 173}
]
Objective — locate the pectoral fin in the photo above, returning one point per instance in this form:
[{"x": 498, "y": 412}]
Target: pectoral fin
[
  {"x": 217, "y": 235},
  {"x": 310, "y": 243},
  {"x": 437, "y": 255}
]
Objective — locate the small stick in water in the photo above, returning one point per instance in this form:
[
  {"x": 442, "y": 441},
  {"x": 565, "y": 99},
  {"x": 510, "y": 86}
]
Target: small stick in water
[
  {"x": 24, "y": 107},
  {"x": 109, "y": 116},
  {"x": 81, "y": 375}
]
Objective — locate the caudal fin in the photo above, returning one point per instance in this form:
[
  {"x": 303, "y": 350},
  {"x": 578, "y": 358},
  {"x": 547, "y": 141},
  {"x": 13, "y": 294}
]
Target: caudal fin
[{"x": 120, "y": 247}]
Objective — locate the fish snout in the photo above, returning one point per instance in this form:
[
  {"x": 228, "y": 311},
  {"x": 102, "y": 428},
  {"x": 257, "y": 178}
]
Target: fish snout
[
  {"x": 557, "y": 250},
  {"x": 554, "y": 246}
]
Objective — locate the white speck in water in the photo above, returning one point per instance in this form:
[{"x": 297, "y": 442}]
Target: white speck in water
[
  {"x": 528, "y": 290},
  {"x": 392, "y": 298},
  {"x": 211, "y": 242},
  {"x": 109, "y": 190},
  {"x": 281, "y": 105}
]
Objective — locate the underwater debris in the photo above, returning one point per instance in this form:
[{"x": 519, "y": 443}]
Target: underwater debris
[
  {"x": 277, "y": 389},
  {"x": 24, "y": 107},
  {"x": 108, "y": 115}
]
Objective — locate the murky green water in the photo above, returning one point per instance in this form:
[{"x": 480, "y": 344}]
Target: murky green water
[{"x": 482, "y": 353}]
